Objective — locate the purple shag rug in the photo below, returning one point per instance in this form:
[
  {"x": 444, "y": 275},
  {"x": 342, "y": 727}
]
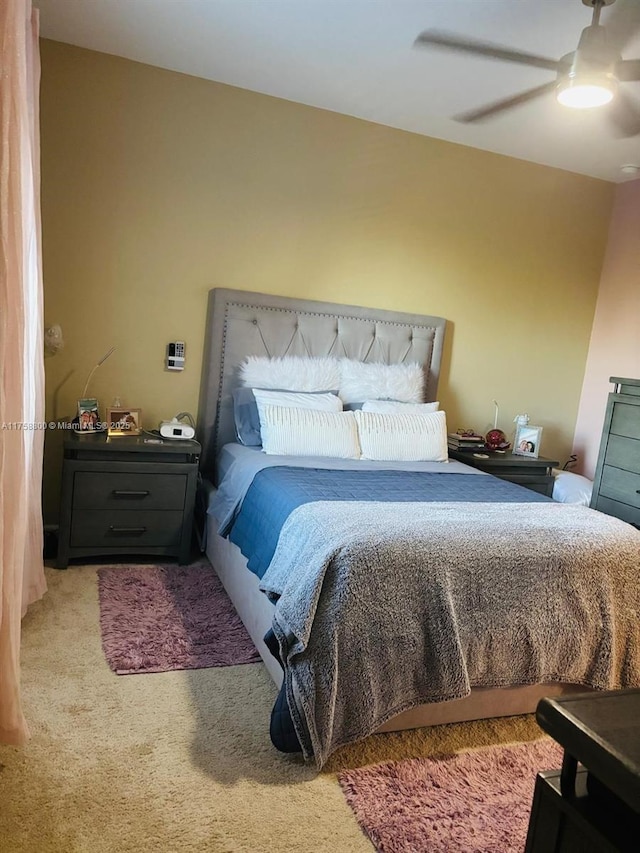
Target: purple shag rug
[
  {"x": 158, "y": 618},
  {"x": 473, "y": 802}
]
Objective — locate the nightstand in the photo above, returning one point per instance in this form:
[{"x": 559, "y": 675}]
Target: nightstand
[
  {"x": 594, "y": 809},
  {"x": 534, "y": 474},
  {"x": 121, "y": 495}
]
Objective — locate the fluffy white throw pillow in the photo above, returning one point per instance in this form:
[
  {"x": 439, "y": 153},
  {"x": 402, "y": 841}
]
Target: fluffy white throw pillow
[
  {"x": 403, "y": 438},
  {"x": 355, "y": 380},
  {"x": 291, "y": 372},
  {"x": 360, "y": 381},
  {"x": 308, "y": 432},
  {"x": 390, "y": 407}
]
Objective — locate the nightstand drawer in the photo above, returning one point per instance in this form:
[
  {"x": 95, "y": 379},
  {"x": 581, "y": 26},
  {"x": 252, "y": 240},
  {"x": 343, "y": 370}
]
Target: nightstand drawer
[
  {"x": 123, "y": 491},
  {"x": 118, "y": 528}
]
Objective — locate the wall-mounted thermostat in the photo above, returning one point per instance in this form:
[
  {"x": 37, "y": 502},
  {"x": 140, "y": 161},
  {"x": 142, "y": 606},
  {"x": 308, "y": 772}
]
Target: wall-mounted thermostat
[{"x": 175, "y": 355}]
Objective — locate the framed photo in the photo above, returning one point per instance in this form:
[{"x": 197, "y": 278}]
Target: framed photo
[
  {"x": 124, "y": 421},
  {"x": 527, "y": 440},
  {"x": 88, "y": 415}
]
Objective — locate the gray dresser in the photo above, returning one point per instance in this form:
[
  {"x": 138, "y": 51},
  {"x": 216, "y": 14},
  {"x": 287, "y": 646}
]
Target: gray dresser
[
  {"x": 125, "y": 495},
  {"x": 616, "y": 487}
]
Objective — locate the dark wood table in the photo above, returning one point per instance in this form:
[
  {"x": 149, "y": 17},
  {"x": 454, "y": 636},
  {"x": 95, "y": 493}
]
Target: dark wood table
[{"x": 597, "y": 807}]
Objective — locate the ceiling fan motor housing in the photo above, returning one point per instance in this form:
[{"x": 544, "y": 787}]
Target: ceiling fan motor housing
[{"x": 593, "y": 61}]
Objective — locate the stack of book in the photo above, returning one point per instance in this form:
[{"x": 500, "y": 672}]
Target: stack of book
[{"x": 464, "y": 442}]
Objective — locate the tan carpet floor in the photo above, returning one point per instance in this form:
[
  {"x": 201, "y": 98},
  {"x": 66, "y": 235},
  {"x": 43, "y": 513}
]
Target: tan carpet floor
[{"x": 177, "y": 761}]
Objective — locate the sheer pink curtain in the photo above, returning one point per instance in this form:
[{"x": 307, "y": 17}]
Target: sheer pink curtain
[{"x": 21, "y": 350}]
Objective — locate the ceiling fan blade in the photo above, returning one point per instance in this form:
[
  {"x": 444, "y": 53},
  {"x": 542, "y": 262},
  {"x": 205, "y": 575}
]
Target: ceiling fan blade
[
  {"x": 624, "y": 114},
  {"x": 449, "y": 41},
  {"x": 489, "y": 110},
  {"x": 628, "y": 70}
]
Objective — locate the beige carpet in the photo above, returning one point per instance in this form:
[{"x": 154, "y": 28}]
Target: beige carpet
[{"x": 177, "y": 761}]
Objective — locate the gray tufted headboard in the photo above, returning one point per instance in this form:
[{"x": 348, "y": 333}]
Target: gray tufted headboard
[{"x": 241, "y": 323}]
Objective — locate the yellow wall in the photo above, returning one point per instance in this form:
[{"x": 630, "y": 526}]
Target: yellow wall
[{"x": 157, "y": 186}]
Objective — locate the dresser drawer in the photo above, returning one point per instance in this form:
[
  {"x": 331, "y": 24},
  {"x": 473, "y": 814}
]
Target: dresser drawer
[
  {"x": 619, "y": 485},
  {"x": 619, "y": 509},
  {"x": 118, "y": 528},
  {"x": 126, "y": 491},
  {"x": 623, "y": 453},
  {"x": 625, "y": 420}
]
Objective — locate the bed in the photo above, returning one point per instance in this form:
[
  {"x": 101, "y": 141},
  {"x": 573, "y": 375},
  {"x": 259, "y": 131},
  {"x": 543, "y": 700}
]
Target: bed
[{"x": 347, "y": 632}]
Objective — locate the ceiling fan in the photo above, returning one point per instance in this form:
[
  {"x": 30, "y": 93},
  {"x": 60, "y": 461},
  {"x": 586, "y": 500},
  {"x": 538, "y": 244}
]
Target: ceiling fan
[{"x": 587, "y": 77}]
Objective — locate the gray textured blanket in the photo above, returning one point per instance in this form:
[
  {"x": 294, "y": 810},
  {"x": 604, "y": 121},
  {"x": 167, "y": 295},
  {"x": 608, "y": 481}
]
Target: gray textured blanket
[{"x": 381, "y": 607}]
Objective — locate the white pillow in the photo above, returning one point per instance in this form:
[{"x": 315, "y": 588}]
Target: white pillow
[
  {"x": 291, "y": 372},
  {"x": 308, "y": 432},
  {"x": 360, "y": 381},
  {"x": 570, "y": 488},
  {"x": 403, "y": 438},
  {"x": 390, "y": 407},
  {"x": 326, "y": 402}
]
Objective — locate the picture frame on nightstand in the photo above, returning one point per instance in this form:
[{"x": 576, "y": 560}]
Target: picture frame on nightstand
[
  {"x": 527, "y": 441},
  {"x": 124, "y": 421}
]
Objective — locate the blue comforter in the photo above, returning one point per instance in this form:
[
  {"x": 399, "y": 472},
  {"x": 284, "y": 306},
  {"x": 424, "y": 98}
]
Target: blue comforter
[{"x": 276, "y": 492}]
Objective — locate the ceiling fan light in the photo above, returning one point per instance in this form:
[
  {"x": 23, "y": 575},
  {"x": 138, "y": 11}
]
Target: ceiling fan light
[{"x": 585, "y": 94}]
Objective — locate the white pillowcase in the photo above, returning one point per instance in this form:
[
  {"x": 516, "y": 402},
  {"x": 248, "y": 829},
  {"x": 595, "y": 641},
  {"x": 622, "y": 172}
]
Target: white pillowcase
[
  {"x": 390, "y": 407},
  {"x": 570, "y": 488},
  {"x": 326, "y": 402},
  {"x": 308, "y": 432},
  {"x": 403, "y": 438},
  {"x": 360, "y": 381},
  {"x": 292, "y": 372}
]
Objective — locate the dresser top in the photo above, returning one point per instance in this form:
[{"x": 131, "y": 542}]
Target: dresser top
[{"x": 620, "y": 381}]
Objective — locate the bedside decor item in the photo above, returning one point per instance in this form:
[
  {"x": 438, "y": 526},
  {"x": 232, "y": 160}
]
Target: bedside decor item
[
  {"x": 527, "y": 440},
  {"x": 124, "y": 421},
  {"x": 495, "y": 439},
  {"x": 167, "y": 617},
  {"x": 465, "y": 439},
  {"x": 88, "y": 416}
]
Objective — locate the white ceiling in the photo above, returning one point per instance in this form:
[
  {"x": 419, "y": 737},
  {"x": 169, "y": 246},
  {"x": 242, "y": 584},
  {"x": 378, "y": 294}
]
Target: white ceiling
[{"x": 357, "y": 57}]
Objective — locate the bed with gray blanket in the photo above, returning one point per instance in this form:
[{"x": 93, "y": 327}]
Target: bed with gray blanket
[
  {"x": 473, "y": 582},
  {"x": 398, "y": 613}
]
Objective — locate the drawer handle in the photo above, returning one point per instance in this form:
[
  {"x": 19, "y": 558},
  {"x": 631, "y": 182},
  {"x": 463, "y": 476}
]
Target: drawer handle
[
  {"x": 114, "y": 529},
  {"x": 130, "y": 493}
]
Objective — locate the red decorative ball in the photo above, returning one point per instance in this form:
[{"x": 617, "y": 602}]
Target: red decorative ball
[{"x": 495, "y": 438}]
